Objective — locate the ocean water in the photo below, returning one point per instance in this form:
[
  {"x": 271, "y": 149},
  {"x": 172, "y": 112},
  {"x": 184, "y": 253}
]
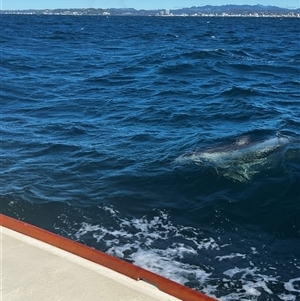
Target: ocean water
[{"x": 172, "y": 143}]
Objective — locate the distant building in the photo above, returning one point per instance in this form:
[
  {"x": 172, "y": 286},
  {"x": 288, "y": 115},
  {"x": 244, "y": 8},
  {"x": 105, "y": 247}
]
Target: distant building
[{"x": 167, "y": 11}]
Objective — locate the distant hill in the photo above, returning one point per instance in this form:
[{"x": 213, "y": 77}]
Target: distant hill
[{"x": 238, "y": 9}]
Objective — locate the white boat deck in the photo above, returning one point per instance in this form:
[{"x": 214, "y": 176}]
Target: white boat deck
[{"x": 34, "y": 270}]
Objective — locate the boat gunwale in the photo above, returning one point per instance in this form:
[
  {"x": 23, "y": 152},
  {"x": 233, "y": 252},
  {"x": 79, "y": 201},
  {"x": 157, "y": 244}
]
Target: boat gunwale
[{"x": 118, "y": 265}]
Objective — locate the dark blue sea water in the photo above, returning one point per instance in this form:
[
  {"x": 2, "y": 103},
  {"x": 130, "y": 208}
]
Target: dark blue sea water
[{"x": 172, "y": 143}]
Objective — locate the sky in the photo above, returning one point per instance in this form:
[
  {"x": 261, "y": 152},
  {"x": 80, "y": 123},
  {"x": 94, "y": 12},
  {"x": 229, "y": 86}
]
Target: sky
[{"x": 137, "y": 4}]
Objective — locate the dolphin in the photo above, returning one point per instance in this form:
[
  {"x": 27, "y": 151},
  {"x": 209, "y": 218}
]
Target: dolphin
[{"x": 239, "y": 160}]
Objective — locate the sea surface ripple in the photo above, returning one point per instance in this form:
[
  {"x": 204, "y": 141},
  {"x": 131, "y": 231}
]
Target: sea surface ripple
[{"x": 97, "y": 113}]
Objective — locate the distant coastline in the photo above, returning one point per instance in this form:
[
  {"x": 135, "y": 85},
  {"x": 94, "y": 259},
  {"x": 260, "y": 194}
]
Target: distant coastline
[{"x": 199, "y": 11}]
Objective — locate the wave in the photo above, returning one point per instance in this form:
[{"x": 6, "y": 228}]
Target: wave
[
  {"x": 239, "y": 92},
  {"x": 157, "y": 240}
]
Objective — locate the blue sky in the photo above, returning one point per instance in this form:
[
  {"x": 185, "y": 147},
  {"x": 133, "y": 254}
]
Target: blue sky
[{"x": 137, "y": 4}]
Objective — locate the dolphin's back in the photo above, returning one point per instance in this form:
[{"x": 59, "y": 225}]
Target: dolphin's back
[{"x": 238, "y": 160}]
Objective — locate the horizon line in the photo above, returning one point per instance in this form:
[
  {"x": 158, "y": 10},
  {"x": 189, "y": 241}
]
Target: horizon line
[{"x": 125, "y": 8}]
